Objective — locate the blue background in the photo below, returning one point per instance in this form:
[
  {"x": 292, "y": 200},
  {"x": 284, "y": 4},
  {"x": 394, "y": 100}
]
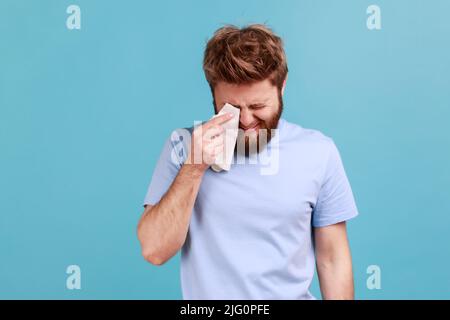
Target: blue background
[{"x": 84, "y": 114}]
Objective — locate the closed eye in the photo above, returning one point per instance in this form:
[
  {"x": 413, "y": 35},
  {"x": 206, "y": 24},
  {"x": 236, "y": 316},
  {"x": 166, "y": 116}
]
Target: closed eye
[{"x": 257, "y": 107}]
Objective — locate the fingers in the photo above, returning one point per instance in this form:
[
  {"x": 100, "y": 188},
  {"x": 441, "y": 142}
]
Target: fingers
[
  {"x": 211, "y": 152},
  {"x": 213, "y": 131},
  {"x": 213, "y": 148},
  {"x": 208, "y": 139},
  {"x": 218, "y": 120},
  {"x": 217, "y": 142}
]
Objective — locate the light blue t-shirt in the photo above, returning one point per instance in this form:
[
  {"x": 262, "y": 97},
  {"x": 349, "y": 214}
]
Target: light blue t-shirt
[{"x": 250, "y": 234}]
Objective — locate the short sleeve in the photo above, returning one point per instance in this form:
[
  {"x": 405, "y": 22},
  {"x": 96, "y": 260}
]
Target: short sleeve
[
  {"x": 168, "y": 165},
  {"x": 335, "y": 202}
]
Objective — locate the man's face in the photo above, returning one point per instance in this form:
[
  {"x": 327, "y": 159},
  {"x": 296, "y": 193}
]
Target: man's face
[{"x": 260, "y": 103}]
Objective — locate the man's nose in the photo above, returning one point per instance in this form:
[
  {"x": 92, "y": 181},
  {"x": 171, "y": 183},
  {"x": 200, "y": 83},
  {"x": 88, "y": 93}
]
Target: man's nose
[{"x": 246, "y": 118}]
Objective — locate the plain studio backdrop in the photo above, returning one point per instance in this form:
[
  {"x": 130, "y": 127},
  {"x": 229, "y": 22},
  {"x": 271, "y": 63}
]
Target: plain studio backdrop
[{"x": 84, "y": 113}]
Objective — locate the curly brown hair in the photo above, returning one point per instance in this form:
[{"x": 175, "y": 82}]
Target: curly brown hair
[{"x": 243, "y": 56}]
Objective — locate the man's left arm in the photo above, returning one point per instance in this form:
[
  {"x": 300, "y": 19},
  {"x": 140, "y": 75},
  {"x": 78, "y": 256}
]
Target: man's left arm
[{"x": 334, "y": 262}]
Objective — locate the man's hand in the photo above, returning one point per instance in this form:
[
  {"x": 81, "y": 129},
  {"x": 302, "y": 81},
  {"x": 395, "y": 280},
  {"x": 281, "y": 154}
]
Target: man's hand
[
  {"x": 207, "y": 142},
  {"x": 334, "y": 262},
  {"x": 163, "y": 228}
]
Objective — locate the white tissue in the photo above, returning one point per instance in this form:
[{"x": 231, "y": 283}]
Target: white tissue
[{"x": 223, "y": 160}]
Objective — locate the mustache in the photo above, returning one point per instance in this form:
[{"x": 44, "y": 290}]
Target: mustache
[{"x": 251, "y": 126}]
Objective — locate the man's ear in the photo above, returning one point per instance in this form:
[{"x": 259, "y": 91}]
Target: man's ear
[{"x": 284, "y": 85}]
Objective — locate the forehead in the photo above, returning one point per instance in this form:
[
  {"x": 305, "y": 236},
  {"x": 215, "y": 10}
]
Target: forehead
[{"x": 258, "y": 92}]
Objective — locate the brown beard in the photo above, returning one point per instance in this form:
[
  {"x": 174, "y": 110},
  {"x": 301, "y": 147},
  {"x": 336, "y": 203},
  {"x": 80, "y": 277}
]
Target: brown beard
[{"x": 267, "y": 127}]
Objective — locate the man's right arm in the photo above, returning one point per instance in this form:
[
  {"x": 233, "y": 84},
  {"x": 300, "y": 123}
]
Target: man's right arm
[{"x": 163, "y": 227}]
